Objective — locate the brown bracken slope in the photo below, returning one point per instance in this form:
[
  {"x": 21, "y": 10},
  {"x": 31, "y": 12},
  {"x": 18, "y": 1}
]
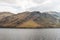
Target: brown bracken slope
[{"x": 33, "y": 19}]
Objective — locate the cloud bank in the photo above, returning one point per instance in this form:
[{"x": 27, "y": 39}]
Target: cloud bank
[{"x": 16, "y": 6}]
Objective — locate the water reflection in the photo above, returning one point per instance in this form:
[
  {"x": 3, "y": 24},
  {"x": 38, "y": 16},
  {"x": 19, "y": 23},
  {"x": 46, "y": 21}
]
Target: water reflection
[{"x": 29, "y": 34}]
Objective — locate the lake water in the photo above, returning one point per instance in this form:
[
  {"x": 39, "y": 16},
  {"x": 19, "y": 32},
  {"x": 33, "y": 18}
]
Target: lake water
[{"x": 29, "y": 34}]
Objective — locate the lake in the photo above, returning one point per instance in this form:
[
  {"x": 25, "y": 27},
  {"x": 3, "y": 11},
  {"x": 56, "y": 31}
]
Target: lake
[{"x": 29, "y": 34}]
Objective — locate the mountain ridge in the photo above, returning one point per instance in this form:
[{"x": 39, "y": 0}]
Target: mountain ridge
[{"x": 30, "y": 19}]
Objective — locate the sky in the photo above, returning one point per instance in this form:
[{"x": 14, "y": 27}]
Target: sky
[{"x": 16, "y": 6}]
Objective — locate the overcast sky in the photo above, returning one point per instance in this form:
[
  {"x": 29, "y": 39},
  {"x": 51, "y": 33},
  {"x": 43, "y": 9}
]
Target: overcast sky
[{"x": 16, "y": 6}]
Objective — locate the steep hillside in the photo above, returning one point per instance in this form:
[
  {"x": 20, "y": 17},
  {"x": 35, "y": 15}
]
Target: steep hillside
[
  {"x": 29, "y": 19},
  {"x": 14, "y": 20},
  {"x": 5, "y": 14}
]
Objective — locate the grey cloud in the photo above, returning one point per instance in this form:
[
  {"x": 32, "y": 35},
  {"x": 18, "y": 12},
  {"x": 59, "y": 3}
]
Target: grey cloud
[
  {"x": 40, "y": 8},
  {"x": 52, "y": 6}
]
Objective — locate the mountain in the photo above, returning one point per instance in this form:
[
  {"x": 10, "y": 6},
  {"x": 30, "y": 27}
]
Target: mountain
[
  {"x": 46, "y": 20},
  {"x": 57, "y": 16},
  {"x": 33, "y": 19},
  {"x": 5, "y": 14},
  {"x": 14, "y": 20}
]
